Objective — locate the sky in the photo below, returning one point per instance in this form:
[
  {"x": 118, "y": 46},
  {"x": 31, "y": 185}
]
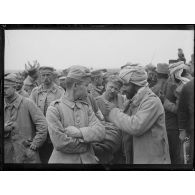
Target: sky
[{"x": 94, "y": 48}]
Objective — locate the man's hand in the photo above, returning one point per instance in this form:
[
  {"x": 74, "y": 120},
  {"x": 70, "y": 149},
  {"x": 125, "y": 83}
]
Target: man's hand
[
  {"x": 182, "y": 135},
  {"x": 30, "y": 153},
  {"x": 8, "y": 127},
  {"x": 33, "y": 147},
  {"x": 109, "y": 107},
  {"x": 72, "y": 131}
]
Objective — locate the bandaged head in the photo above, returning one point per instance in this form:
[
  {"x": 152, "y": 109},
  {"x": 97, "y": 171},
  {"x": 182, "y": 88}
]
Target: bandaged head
[
  {"x": 176, "y": 70},
  {"x": 134, "y": 73}
]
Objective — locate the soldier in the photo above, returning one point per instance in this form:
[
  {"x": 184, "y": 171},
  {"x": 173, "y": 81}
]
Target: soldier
[
  {"x": 25, "y": 127},
  {"x": 95, "y": 88},
  {"x": 73, "y": 125},
  {"x": 143, "y": 120},
  {"x": 109, "y": 150},
  {"x": 162, "y": 76},
  {"x": 152, "y": 74},
  {"x": 43, "y": 95},
  {"x": 19, "y": 83}
]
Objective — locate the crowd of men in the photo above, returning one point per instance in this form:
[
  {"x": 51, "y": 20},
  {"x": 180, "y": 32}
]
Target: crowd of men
[{"x": 138, "y": 115}]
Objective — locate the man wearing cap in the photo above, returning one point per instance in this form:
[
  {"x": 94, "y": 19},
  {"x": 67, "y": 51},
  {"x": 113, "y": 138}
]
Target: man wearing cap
[
  {"x": 162, "y": 76},
  {"x": 18, "y": 84},
  {"x": 73, "y": 125},
  {"x": 25, "y": 127},
  {"x": 142, "y": 121},
  {"x": 43, "y": 95},
  {"x": 95, "y": 88}
]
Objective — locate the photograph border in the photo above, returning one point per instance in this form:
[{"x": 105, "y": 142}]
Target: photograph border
[{"x": 75, "y": 167}]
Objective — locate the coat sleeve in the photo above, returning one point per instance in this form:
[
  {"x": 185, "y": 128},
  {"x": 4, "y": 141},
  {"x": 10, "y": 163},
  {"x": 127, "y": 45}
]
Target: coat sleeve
[
  {"x": 113, "y": 138},
  {"x": 183, "y": 115},
  {"x": 60, "y": 140},
  {"x": 139, "y": 123},
  {"x": 169, "y": 94},
  {"x": 40, "y": 123},
  {"x": 170, "y": 106},
  {"x": 95, "y": 131}
]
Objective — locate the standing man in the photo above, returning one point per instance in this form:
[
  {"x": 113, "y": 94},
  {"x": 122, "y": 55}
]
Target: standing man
[
  {"x": 95, "y": 88},
  {"x": 25, "y": 127},
  {"x": 143, "y": 119},
  {"x": 43, "y": 95},
  {"x": 73, "y": 125}
]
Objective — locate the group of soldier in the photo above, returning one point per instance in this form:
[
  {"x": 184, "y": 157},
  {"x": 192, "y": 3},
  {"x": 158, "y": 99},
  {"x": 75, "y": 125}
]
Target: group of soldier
[{"x": 138, "y": 115}]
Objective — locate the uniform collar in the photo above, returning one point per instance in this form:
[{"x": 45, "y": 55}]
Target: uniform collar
[
  {"x": 72, "y": 104},
  {"x": 16, "y": 102}
]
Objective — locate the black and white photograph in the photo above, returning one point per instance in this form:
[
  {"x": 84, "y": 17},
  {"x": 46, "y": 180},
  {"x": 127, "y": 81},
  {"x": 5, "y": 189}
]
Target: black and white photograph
[{"x": 111, "y": 97}]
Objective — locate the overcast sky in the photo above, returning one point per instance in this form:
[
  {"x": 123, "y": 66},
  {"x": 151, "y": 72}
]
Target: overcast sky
[{"x": 94, "y": 48}]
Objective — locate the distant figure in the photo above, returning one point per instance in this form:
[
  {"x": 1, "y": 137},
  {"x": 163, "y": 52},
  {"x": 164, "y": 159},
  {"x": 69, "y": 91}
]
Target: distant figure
[
  {"x": 152, "y": 74},
  {"x": 95, "y": 88},
  {"x": 181, "y": 56},
  {"x": 162, "y": 76}
]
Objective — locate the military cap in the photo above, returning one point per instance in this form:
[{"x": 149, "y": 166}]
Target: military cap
[
  {"x": 162, "y": 68},
  {"x": 78, "y": 72},
  {"x": 48, "y": 68},
  {"x": 10, "y": 79}
]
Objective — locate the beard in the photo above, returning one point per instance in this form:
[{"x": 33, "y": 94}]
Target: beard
[
  {"x": 112, "y": 95},
  {"x": 129, "y": 94}
]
